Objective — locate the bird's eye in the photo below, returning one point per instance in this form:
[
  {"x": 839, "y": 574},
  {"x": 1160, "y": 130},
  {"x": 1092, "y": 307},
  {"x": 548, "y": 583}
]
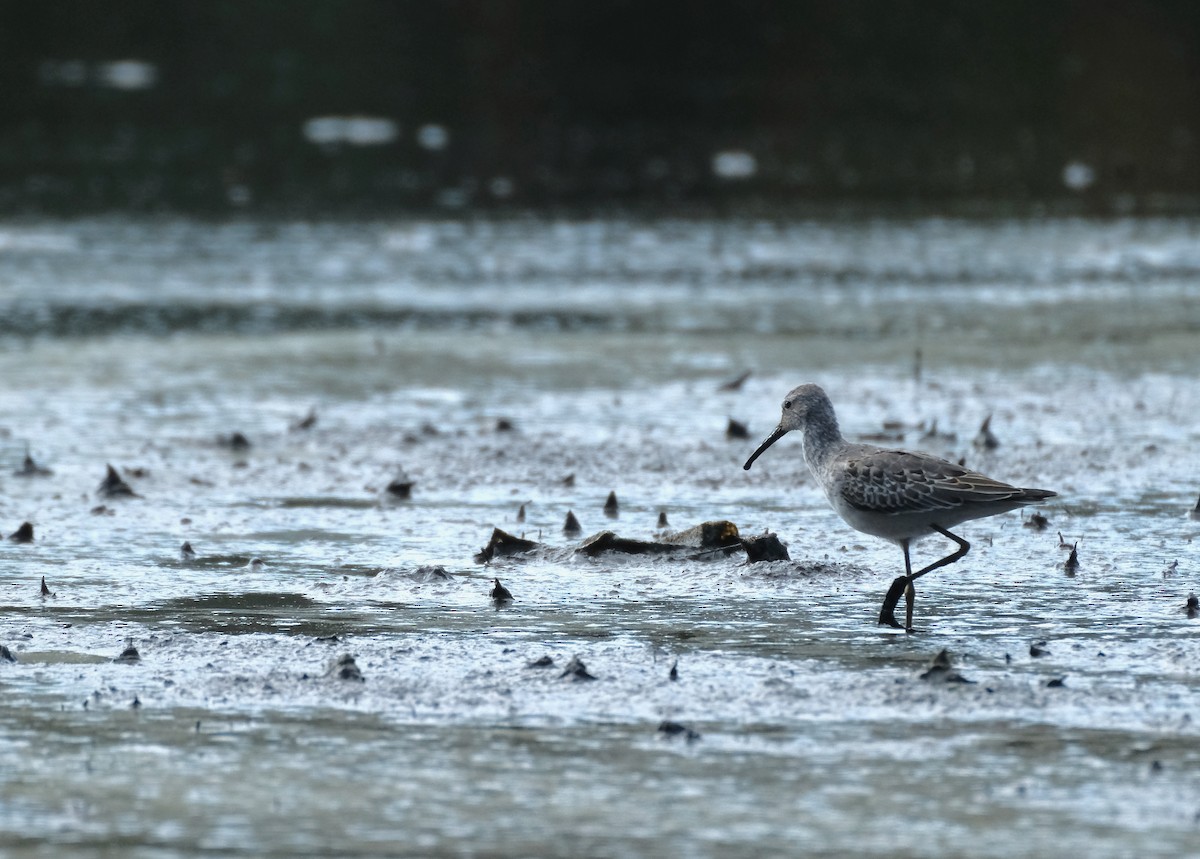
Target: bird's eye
[{"x": 787, "y": 404}]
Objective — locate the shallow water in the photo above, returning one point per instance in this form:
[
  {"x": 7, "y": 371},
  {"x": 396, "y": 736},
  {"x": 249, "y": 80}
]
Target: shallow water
[{"x": 603, "y": 343}]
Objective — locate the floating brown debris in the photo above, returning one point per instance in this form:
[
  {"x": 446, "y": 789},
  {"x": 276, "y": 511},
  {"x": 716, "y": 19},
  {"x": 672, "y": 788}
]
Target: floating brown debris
[
  {"x": 571, "y": 526},
  {"x": 29, "y": 468},
  {"x": 674, "y": 729},
  {"x": 736, "y": 430},
  {"x": 500, "y": 594},
  {"x": 1037, "y": 521},
  {"x": 23, "y": 534},
  {"x": 45, "y": 591},
  {"x": 985, "y": 439},
  {"x": 611, "y": 508},
  {"x": 662, "y": 520},
  {"x": 576, "y": 670},
  {"x": 1192, "y": 609},
  {"x": 735, "y": 384},
  {"x": 765, "y": 547},
  {"x": 345, "y": 668},
  {"x": 1056, "y": 683},
  {"x": 112, "y": 486},
  {"x": 941, "y": 670},
  {"x": 502, "y": 543},
  {"x": 1038, "y": 648}
]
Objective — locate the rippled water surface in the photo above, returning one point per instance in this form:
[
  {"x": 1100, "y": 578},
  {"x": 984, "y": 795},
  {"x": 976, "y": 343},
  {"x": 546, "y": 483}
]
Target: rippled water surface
[{"x": 501, "y": 363}]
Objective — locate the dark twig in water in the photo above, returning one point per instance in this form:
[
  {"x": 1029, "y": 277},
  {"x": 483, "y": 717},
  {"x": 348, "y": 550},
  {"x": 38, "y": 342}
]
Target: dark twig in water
[
  {"x": 735, "y": 384},
  {"x": 1071, "y": 565},
  {"x": 941, "y": 670},
  {"x": 114, "y": 487},
  {"x": 500, "y": 594},
  {"x": 307, "y": 422},
  {"x": 129, "y": 655},
  {"x": 1037, "y": 521},
  {"x": 736, "y": 430},
  {"x": 674, "y": 729},
  {"x": 576, "y": 670},
  {"x": 986, "y": 439},
  {"x": 29, "y": 468}
]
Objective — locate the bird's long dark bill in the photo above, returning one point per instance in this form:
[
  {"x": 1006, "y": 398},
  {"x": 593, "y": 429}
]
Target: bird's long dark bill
[{"x": 779, "y": 433}]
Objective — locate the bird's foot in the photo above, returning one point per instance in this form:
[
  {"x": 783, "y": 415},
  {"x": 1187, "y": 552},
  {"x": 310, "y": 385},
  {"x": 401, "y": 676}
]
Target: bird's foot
[{"x": 887, "y": 614}]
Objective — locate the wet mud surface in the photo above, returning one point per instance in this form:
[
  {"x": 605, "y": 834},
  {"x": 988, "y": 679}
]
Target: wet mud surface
[{"x": 332, "y": 671}]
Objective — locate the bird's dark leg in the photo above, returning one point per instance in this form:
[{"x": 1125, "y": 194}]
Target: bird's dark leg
[
  {"x": 904, "y": 584},
  {"x": 963, "y": 548},
  {"x": 887, "y": 614},
  {"x": 910, "y": 593}
]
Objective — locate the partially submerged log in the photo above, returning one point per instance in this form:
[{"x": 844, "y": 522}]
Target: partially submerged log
[
  {"x": 717, "y": 534},
  {"x": 720, "y": 534},
  {"x": 607, "y": 541},
  {"x": 503, "y": 543}
]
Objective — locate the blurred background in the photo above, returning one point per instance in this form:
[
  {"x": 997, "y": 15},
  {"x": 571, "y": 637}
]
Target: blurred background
[{"x": 367, "y": 106}]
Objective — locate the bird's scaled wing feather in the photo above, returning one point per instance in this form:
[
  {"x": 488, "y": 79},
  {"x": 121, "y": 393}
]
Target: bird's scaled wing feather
[{"x": 897, "y": 481}]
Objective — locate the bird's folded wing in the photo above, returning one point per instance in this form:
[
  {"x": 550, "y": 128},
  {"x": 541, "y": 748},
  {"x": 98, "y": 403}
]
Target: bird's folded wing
[{"x": 897, "y": 481}]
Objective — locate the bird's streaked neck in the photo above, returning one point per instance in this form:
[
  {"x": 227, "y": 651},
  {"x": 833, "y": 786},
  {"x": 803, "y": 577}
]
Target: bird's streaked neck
[{"x": 822, "y": 437}]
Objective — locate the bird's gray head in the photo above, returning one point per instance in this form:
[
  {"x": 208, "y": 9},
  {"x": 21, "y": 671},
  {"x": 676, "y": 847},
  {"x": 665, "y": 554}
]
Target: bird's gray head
[{"x": 802, "y": 405}]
